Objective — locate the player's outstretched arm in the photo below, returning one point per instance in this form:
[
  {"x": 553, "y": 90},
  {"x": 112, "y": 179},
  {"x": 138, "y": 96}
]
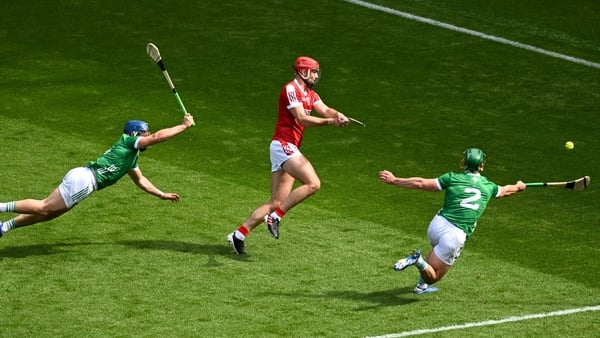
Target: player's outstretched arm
[
  {"x": 510, "y": 189},
  {"x": 334, "y": 116},
  {"x": 427, "y": 184},
  {"x": 165, "y": 134},
  {"x": 143, "y": 183}
]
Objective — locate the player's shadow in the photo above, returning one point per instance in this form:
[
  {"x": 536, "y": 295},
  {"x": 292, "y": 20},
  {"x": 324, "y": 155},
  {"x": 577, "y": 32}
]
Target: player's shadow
[
  {"x": 178, "y": 246},
  {"x": 374, "y": 299},
  {"x": 210, "y": 250},
  {"x": 39, "y": 249}
]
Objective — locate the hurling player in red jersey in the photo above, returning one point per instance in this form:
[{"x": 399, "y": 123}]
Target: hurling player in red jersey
[{"x": 296, "y": 102}]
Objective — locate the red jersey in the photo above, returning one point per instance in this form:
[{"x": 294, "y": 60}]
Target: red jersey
[{"x": 288, "y": 129}]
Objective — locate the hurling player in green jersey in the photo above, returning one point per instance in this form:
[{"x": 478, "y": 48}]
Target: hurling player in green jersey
[
  {"x": 467, "y": 195},
  {"x": 79, "y": 183}
]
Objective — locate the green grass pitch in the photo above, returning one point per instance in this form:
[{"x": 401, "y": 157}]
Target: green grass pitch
[{"x": 125, "y": 264}]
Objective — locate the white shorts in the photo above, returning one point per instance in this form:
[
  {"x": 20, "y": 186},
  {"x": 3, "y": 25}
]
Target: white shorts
[
  {"x": 77, "y": 184},
  {"x": 446, "y": 239},
  {"x": 280, "y": 152}
]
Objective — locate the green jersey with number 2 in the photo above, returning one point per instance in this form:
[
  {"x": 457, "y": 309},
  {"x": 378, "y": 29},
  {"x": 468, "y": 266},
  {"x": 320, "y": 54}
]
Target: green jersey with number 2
[{"x": 467, "y": 195}]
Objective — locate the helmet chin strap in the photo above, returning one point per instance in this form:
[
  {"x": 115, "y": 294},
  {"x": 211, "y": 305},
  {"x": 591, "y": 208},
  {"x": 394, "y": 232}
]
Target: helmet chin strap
[
  {"x": 308, "y": 84},
  {"x": 305, "y": 80}
]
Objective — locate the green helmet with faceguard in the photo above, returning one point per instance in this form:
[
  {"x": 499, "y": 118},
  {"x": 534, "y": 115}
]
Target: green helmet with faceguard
[{"x": 473, "y": 159}]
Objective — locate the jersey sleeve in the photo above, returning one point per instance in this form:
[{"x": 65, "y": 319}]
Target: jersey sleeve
[
  {"x": 495, "y": 190},
  {"x": 291, "y": 97},
  {"x": 443, "y": 181},
  {"x": 133, "y": 140}
]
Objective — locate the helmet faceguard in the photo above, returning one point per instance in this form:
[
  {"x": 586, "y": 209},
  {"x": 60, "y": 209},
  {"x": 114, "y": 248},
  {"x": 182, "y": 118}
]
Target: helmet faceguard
[
  {"x": 135, "y": 127},
  {"x": 473, "y": 160},
  {"x": 308, "y": 69}
]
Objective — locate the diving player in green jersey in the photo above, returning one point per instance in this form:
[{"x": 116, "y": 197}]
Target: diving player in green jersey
[
  {"x": 79, "y": 183},
  {"x": 466, "y": 197}
]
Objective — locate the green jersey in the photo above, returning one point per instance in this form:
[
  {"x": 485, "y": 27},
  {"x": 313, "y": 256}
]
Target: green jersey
[
  {"x": 116, "y": 161},
  {"x": 467, "y": 195}
]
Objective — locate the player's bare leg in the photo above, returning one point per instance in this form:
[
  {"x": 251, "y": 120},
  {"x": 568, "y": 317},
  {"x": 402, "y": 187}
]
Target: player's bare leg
[
  {"x": 281, "y": 186},
  {"x": 434, "y": 270},
  {"x": 33, "y": 211},
  {"x": 301, "y": 169},
  {"x": 431, "y": 270}
]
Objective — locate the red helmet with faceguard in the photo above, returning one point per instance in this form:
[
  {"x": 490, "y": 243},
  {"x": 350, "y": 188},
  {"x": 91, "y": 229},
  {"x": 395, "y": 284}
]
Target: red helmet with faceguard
[
  {"x": 305, "y": 62},
  {"x": 304, "y": 66}
]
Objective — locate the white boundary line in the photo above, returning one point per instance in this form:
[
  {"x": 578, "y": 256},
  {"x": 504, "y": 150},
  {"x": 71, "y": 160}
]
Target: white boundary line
[
  {"x": 474, "y": 33},
  {"x": 492, "y": 322}
]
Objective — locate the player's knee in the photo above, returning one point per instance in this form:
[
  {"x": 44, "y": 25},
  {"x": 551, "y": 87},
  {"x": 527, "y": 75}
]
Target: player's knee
[
  {"x": 37, "y": 209},
  {"x": 436, "y": 276},
  {"x": 48, "y": 211},
  {"x": 314, "y": 186},
  {"x": 48, "y": 214}
]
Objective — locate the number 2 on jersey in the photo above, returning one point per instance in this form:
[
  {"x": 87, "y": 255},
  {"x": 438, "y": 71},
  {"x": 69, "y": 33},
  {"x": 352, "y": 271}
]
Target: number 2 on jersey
[{"x": 468, "y": 202}]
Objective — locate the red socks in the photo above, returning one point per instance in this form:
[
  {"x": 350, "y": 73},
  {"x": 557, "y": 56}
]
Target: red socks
[
  {"x": 241, "y": 233},
  {"x": 279, "y": 212}
]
